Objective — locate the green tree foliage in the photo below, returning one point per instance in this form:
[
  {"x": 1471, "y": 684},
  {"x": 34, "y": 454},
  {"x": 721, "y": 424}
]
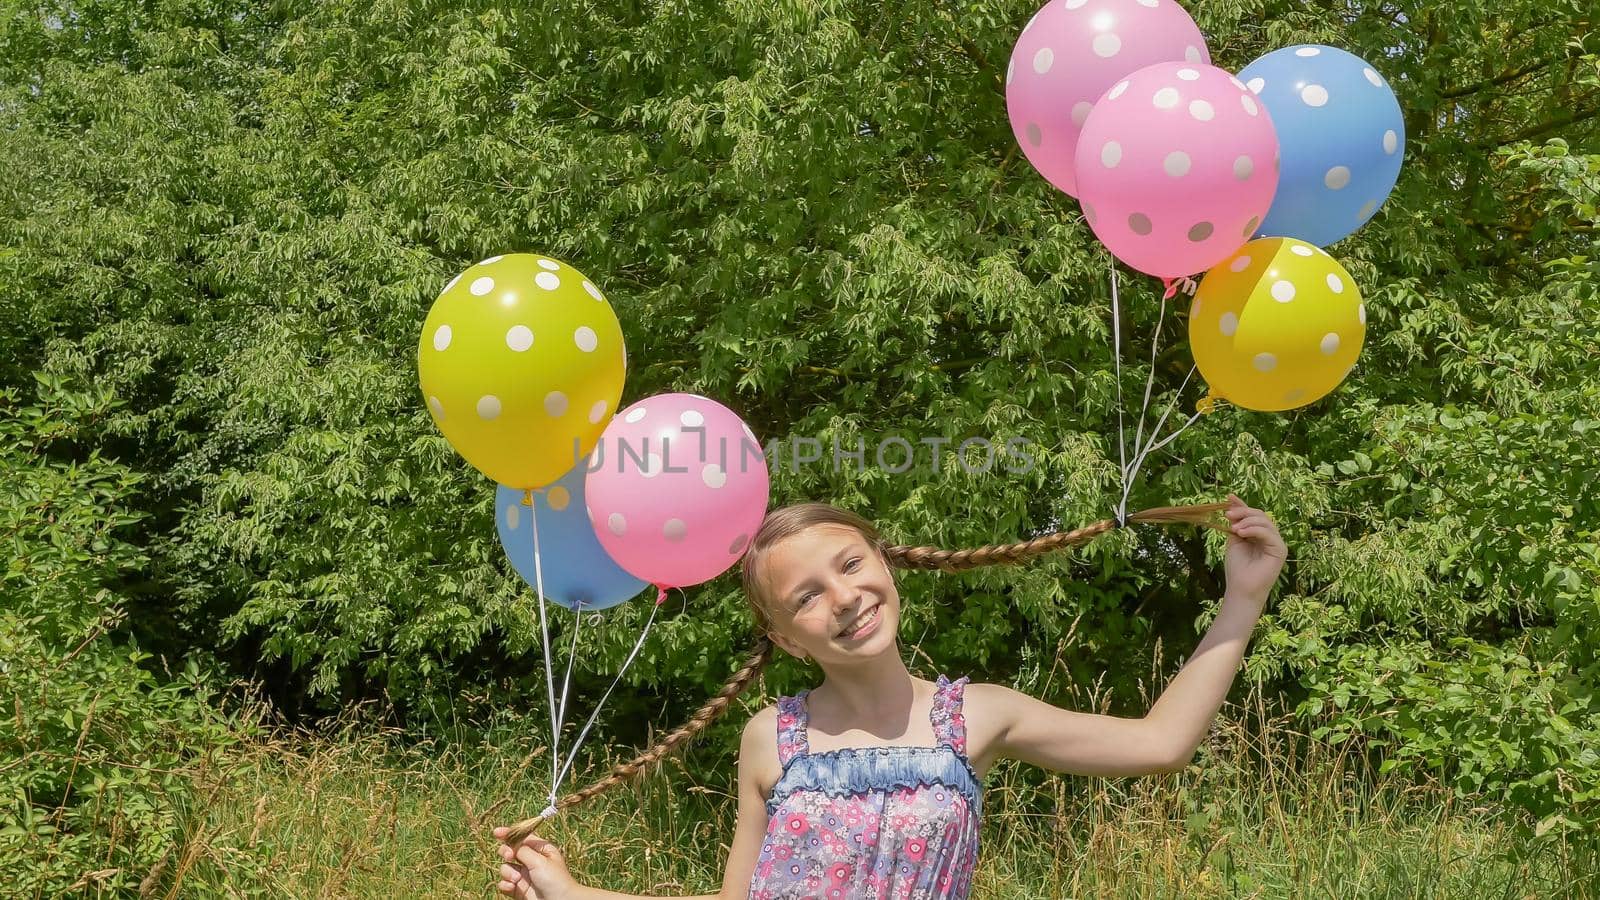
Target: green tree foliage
[{"x": 233, "y": 217}]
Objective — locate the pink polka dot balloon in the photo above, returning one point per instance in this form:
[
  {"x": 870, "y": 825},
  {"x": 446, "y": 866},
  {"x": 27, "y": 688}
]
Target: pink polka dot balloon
[
  {"x": 1177, "y": 165},
  {"x": 676, "y": 488},
  {"x": 1069, "y": 53}
]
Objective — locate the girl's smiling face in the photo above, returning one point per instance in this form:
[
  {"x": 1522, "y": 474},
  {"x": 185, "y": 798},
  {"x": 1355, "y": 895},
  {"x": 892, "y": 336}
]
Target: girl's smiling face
[{"x": 830, "y": 596}]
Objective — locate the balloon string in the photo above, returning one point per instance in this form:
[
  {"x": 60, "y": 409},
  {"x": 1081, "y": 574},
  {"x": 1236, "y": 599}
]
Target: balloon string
[
  {"x": 1165, "y": 441},
  {"x": 1116, "y": 358},
  {"x": 544, "y": 633},
  {"x": 572, "y": 654},
  {"x": 1139, "y": 458},
  {"x": 572, "y": 753},
  {"x": 1149, "y": 382}
]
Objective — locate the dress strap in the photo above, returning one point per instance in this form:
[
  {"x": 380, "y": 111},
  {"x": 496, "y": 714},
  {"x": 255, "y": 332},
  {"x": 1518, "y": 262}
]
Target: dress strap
[
  {"x": 949, "y": 725},
  {"x": 792, "y": 740}
]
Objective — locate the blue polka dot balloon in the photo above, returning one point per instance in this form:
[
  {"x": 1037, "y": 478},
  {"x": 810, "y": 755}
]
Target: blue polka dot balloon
[
  {"x": 577, "y": 571},
  {"x": 1340, "y": 135}
]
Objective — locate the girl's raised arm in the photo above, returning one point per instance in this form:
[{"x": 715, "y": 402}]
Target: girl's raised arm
[
  {"x": 538, "y": 871},
  {"x": 1165, "y": 739}
]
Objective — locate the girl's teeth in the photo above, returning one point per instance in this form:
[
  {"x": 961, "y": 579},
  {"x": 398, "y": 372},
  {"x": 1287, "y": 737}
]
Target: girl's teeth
[{"x": 864, "y": 622}]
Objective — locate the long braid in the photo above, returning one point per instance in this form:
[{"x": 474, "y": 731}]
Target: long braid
[
  {"x": 793, "y": 519},
  {"x": 1010, "y": 554},
  {"x": 760, "y": 654}
]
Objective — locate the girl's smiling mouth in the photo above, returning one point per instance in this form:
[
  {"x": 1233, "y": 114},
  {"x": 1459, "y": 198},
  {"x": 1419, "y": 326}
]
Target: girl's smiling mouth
[{"x": 863, "y": 624}]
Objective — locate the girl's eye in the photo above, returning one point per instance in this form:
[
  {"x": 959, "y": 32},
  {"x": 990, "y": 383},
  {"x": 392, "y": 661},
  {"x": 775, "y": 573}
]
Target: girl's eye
[
  {"x": 853, "y": 561},
  {"x": 807, "y": 598}
]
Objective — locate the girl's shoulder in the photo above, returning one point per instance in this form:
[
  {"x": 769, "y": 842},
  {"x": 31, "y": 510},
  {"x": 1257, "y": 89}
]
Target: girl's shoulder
[
  {"x": 758, "y": 748},
  {"x": 989, "y": 706},
  {"x": 766, "y": 715}
]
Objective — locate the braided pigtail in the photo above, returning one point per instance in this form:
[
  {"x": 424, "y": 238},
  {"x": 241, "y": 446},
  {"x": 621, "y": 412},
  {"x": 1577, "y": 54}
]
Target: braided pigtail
[
  {"x": 905, "y": 557},
  {"x": 760, "y": 654}
]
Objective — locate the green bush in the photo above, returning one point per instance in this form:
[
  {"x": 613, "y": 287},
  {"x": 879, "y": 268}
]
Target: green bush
[{"x": 96, "y": 752}]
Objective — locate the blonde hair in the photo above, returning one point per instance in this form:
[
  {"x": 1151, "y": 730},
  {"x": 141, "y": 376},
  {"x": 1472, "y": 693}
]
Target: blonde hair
[{"x": 788, "y": 521}]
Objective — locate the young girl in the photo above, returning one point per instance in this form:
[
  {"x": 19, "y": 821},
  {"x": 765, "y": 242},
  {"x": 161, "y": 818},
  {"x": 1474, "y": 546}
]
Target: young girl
[{"x": 871, "y": 784}]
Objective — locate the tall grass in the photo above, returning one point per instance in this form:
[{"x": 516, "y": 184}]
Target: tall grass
[{"x": 1263, "y": 812}]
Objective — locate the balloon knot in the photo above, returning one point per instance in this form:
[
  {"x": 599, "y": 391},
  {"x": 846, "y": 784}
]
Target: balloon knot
[
  {"x": 527, "y": 498},
  {"x": 1209, "y": 404},
  {"x": 661, "y": 595},
  {"x": 1174, "y": 285}
]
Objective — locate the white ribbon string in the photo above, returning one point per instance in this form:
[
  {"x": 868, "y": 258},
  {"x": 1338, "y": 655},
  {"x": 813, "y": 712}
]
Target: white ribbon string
[
  {"x": 1141, "y": 455},
  {"x": 544, "y": 632},
  {"x": 1149, "y": 382},
  {"x": 1141, "y": 450},
  {"x": 1168, "y": 439},
  {"x": 572, "y": 753},
  {"x": 572, "y": 654},
  {"x": 1116, "y": 356},
  {"x": 1171, "y": 404}
]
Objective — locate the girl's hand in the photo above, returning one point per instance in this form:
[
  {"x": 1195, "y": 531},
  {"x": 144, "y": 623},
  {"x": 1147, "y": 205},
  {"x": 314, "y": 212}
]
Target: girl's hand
[
  {"x": 1256, "y": 551},
  {"x": 534, "y": 870}
]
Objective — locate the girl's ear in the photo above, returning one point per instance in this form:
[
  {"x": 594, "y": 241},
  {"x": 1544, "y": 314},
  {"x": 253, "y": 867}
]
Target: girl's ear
[{"x": 788, "y": 646}]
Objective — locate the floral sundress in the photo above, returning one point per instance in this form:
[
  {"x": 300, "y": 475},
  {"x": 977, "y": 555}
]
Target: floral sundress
[{"x": 897, "y": 823}]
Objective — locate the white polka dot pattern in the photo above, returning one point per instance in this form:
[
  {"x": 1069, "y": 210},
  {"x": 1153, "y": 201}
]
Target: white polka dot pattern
[
  {"x": 519, "y": 338},
  {"x": 1107, "y": 45}
]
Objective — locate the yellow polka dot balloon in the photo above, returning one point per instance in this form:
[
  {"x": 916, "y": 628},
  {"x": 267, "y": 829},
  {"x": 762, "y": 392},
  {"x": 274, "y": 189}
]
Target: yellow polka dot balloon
[
  {"x": 521, "y": 363},
  {"x": 1276, "y": 326}
]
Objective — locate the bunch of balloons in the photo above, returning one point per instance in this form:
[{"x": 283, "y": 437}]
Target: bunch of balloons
[
  {"x": 521, "y": 362},
  {"x": 1183, "y": 168}
]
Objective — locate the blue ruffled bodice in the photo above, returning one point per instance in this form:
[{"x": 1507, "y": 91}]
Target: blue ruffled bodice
[{"x": 840, "y": 773}]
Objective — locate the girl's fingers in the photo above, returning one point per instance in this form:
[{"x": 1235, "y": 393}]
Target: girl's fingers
[
  {"x": 507, "y": 888},
  {"x": 536, "y": 856},
  {"x": 1258, "y": 520},
  {"x": 1235, "y": 513},
  {"x": 510, "y": 873}
]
